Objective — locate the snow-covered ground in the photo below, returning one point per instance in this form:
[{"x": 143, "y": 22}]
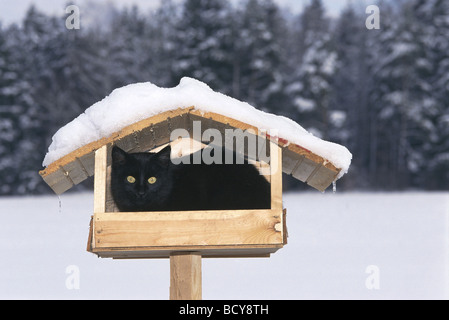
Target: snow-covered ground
[{"x": 341, "y": 246}]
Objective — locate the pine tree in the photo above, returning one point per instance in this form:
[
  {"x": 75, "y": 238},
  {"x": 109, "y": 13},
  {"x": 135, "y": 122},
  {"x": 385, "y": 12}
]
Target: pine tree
[
  {"x": 13, "y": 102},
  {"x": 127, "y": 53},
  {"x": 434, "y": 18},
  {"x": 352, "y": 101},
  {"x": 161, "y": 44},
  {"x": 313, "y": 26},
  {"x": 260, "y": 56},
  {"x": 35, "y": 51},
  {"x": 404, "y": 99},
  {"x": 60, "y": 66},
  {"x": 204, "y": 41},
  {"x": 310, "y": 87}
]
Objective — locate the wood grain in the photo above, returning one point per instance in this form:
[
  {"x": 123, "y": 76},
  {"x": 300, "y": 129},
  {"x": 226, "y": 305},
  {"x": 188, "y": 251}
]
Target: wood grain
[
  {"x": 188, "y": 228},
  {"x": 185, "y": 276},
  {"x": 101, "y": 164}
]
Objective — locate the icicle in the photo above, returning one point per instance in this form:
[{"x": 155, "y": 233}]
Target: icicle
[
  {"x": 60, "y": 204},
  {"x": 334, "y": 186}
]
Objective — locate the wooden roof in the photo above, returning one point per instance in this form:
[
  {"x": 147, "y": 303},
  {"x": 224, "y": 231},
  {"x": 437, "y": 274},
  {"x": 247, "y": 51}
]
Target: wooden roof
[{"x": 145, "y": 135}]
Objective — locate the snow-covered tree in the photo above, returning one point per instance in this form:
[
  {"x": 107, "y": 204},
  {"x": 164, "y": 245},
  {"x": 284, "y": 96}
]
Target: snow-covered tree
[
  {"x": 433, "y": 19},
  {"x": 383, "y": 93},
  {"x": 161, "y": 44},
  {"x": 310, "y": 88},
  {"x": 38, "y": 54},
  {"x": 204, "y": 43},
  {"x": 14, "y": 100},
  {"x": 404, "y": 98},
  {"x": 349, "y": 98},
  {"x": 355, "y": 90},
  {"x": 60, "y": 68},
  {"x": 260, "y": 56},
  {"x": 127, "y": 48}
]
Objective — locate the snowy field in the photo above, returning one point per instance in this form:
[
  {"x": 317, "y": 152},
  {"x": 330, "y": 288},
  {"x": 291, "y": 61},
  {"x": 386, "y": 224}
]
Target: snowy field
[{"x": 401, "y": 239}]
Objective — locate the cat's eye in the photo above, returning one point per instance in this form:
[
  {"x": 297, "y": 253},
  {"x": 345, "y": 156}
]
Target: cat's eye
[
  {"x": 152, "y": 180},
  {"x": 130, "y": 179}
]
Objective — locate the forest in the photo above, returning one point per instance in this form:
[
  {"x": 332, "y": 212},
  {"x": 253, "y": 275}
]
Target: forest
[{"x": 383, "y": 93}]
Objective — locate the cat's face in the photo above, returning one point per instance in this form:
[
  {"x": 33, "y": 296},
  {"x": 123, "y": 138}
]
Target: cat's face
[{"x": 140, "y": 181}]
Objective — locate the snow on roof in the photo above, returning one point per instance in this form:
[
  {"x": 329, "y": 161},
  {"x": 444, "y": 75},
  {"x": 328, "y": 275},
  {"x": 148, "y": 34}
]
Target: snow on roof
[{"x": 136, "y": 102}]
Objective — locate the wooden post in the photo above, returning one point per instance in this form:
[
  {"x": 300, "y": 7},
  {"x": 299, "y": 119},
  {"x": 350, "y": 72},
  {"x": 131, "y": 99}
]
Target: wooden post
[
  {"x": 276, "y": 176},
  {"x": 185, "y": 276},
  {"x": 101, "y": 164}
]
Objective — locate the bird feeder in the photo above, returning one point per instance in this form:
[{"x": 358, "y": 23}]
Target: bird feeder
[{"x": 186, "y": 236}]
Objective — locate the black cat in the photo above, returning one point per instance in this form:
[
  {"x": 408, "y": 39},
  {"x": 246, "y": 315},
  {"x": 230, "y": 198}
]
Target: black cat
[{"x": 151, "y": 182}]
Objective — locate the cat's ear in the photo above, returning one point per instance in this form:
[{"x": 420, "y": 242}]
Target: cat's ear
[
  {"x": 118, "y": 156},
  {"x": 163, "y": 156}
]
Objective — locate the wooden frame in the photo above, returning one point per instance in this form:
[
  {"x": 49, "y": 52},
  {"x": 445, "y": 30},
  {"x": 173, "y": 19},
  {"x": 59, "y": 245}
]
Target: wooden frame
[{"x": 234, "y": 233}]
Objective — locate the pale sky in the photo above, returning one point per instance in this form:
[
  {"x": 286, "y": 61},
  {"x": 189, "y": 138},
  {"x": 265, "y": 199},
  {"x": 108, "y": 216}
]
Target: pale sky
[{"x": 14, "y": 10}]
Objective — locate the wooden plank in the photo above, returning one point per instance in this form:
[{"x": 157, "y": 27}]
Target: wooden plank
[
  {"x": 88, "y": 163},
  {"x": 145, "y": 138},
  {"x": 180, "y": 122},
  {"x": 276, "y": 176},
  {"x": 206, "y": 252},
  {"x": 89, "y": 239},
  {"x": 76, "y": 171},
  {"x": 312, "y": 156},
  {"x": 322, "y": 178},
  {"x": 304, "y": 169},
  {"x": 101, "y": 158},
  {"x": 188, "y": 228},
  {"x": 263, "y": 148},
  {"x": 59, "y": 181},
  {"x": 161, "y": 132},
  {"x": 128, "y": 143},
  {"x": 149, "y": 122},
  {"x": 185, "y": 276},
  {"x": 289, "y": 160},
  {"x": 284, "y": 221},
  {"x": 224, "y": 120}
]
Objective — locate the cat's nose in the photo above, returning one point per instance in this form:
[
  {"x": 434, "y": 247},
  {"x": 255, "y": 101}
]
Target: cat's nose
[{"x": 141, "y": 193}]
